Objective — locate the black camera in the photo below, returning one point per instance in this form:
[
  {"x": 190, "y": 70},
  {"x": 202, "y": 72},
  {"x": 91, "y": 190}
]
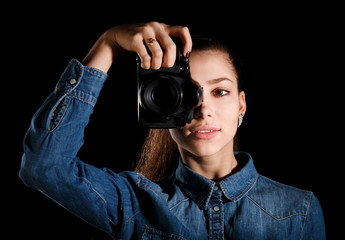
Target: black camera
[{"x": 167, "y": 96}]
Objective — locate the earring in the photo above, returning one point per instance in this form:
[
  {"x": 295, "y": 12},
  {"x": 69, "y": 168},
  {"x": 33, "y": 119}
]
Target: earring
[{"x": 240, "y": 119}]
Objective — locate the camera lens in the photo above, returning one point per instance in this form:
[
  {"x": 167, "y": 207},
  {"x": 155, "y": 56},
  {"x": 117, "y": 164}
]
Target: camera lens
[{"x": 161, "y": 95}]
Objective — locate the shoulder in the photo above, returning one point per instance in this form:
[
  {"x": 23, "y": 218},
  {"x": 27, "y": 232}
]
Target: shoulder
[
  {"x": 163, "y": 191},
  {"x": 279, "y": 200},
  {"x": 139, "y": 181}
]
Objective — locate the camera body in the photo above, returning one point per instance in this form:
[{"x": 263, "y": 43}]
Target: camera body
[{"x": 167, "y": 96}]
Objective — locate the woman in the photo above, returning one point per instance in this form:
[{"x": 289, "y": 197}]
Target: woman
[{"x": 191, "y": 185}]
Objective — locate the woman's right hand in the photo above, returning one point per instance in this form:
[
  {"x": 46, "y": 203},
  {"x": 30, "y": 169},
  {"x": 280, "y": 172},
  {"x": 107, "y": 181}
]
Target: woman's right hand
[{"x": 139, "y": 38}]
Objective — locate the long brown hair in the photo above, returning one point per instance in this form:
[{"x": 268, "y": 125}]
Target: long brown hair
[{"x": 159, "y": 155}]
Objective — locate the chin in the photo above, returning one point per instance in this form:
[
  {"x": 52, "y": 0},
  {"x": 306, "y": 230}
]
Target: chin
[{"x": 205, "y": 149}]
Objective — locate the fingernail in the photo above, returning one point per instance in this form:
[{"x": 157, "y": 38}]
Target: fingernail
[{"x": 188, "y": 54}]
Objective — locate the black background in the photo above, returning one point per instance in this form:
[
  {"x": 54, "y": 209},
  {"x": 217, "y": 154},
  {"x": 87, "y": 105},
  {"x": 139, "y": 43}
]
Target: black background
[{"x": 290, "y": 55}]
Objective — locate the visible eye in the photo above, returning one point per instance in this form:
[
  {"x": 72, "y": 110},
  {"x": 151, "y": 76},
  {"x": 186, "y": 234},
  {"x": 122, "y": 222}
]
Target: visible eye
[{"x": 220, "y": 92}]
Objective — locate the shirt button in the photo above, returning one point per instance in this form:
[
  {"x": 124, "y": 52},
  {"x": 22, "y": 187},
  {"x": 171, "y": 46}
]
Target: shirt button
[
  {"x": 216, "y": 208},
  {"x": 72, "y": 81},
  {"x": 215, "y": 188}
]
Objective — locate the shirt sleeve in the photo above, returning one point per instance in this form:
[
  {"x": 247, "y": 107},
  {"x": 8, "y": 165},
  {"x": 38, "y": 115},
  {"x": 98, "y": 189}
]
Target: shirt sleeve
[
  {"x": 50, "y": 163},
  {"x": 314, "y": 225}
]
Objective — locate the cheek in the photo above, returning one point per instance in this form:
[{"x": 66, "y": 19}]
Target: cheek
[
  {"x": 185, "y": 140},
  {"x": 229, "y": 122},
  {"x": 227, "y": 118},
  {"x": 178, "y": 135},
  {"x": 227, "y": 113}
]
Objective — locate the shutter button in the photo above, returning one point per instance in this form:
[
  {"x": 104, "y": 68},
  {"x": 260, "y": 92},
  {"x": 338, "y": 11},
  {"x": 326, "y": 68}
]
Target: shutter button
[{"x": 72, "y": 81}]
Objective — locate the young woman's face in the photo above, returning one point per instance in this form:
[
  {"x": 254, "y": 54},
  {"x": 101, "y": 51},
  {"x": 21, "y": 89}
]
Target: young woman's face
[{"x": 215, "y": 121}]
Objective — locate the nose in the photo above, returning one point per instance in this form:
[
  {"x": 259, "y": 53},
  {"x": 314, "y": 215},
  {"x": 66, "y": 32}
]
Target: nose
[{"x": 203, "y": 110}]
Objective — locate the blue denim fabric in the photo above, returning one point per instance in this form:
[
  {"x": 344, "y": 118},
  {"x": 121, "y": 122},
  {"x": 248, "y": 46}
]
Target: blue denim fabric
[{"x": 185, "y": 205}]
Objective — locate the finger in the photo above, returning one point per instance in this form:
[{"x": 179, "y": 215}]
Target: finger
[
  {"x": 156, "y": 52},
  {"x": 184, "y": 34},
  {"x": 144, "y": 56},
  {"x": 169, "y": 49}
]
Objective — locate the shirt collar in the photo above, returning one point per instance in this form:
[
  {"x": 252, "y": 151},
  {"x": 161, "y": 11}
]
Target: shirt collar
[{"x": 234, "y": 187}]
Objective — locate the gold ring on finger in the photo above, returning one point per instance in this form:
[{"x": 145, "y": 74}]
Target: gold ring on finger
[{"x": 150, "y": 41}]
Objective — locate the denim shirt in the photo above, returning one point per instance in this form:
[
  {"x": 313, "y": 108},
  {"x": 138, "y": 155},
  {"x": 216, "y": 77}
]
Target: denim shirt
[{"x": 185, "y": 205}]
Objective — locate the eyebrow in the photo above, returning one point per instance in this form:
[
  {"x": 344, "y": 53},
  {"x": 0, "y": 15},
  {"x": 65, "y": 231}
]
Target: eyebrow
[
  {"x": 213, "y": 81},
  {"x": 218, "y": 80}
]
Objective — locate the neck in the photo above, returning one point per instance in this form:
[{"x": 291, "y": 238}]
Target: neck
[{"x": 214, "y": 167}]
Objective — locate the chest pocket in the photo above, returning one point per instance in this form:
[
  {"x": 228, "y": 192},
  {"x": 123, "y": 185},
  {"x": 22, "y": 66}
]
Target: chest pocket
[{"x": 155, "y": 234}]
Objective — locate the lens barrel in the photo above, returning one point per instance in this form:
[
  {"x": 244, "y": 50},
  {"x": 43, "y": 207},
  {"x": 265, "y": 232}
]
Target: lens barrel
[{"x": 161, "y": 95}]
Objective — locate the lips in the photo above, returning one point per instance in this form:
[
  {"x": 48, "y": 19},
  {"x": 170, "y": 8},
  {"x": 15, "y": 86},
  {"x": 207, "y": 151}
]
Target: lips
[{"x": 205, "y": 132}]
